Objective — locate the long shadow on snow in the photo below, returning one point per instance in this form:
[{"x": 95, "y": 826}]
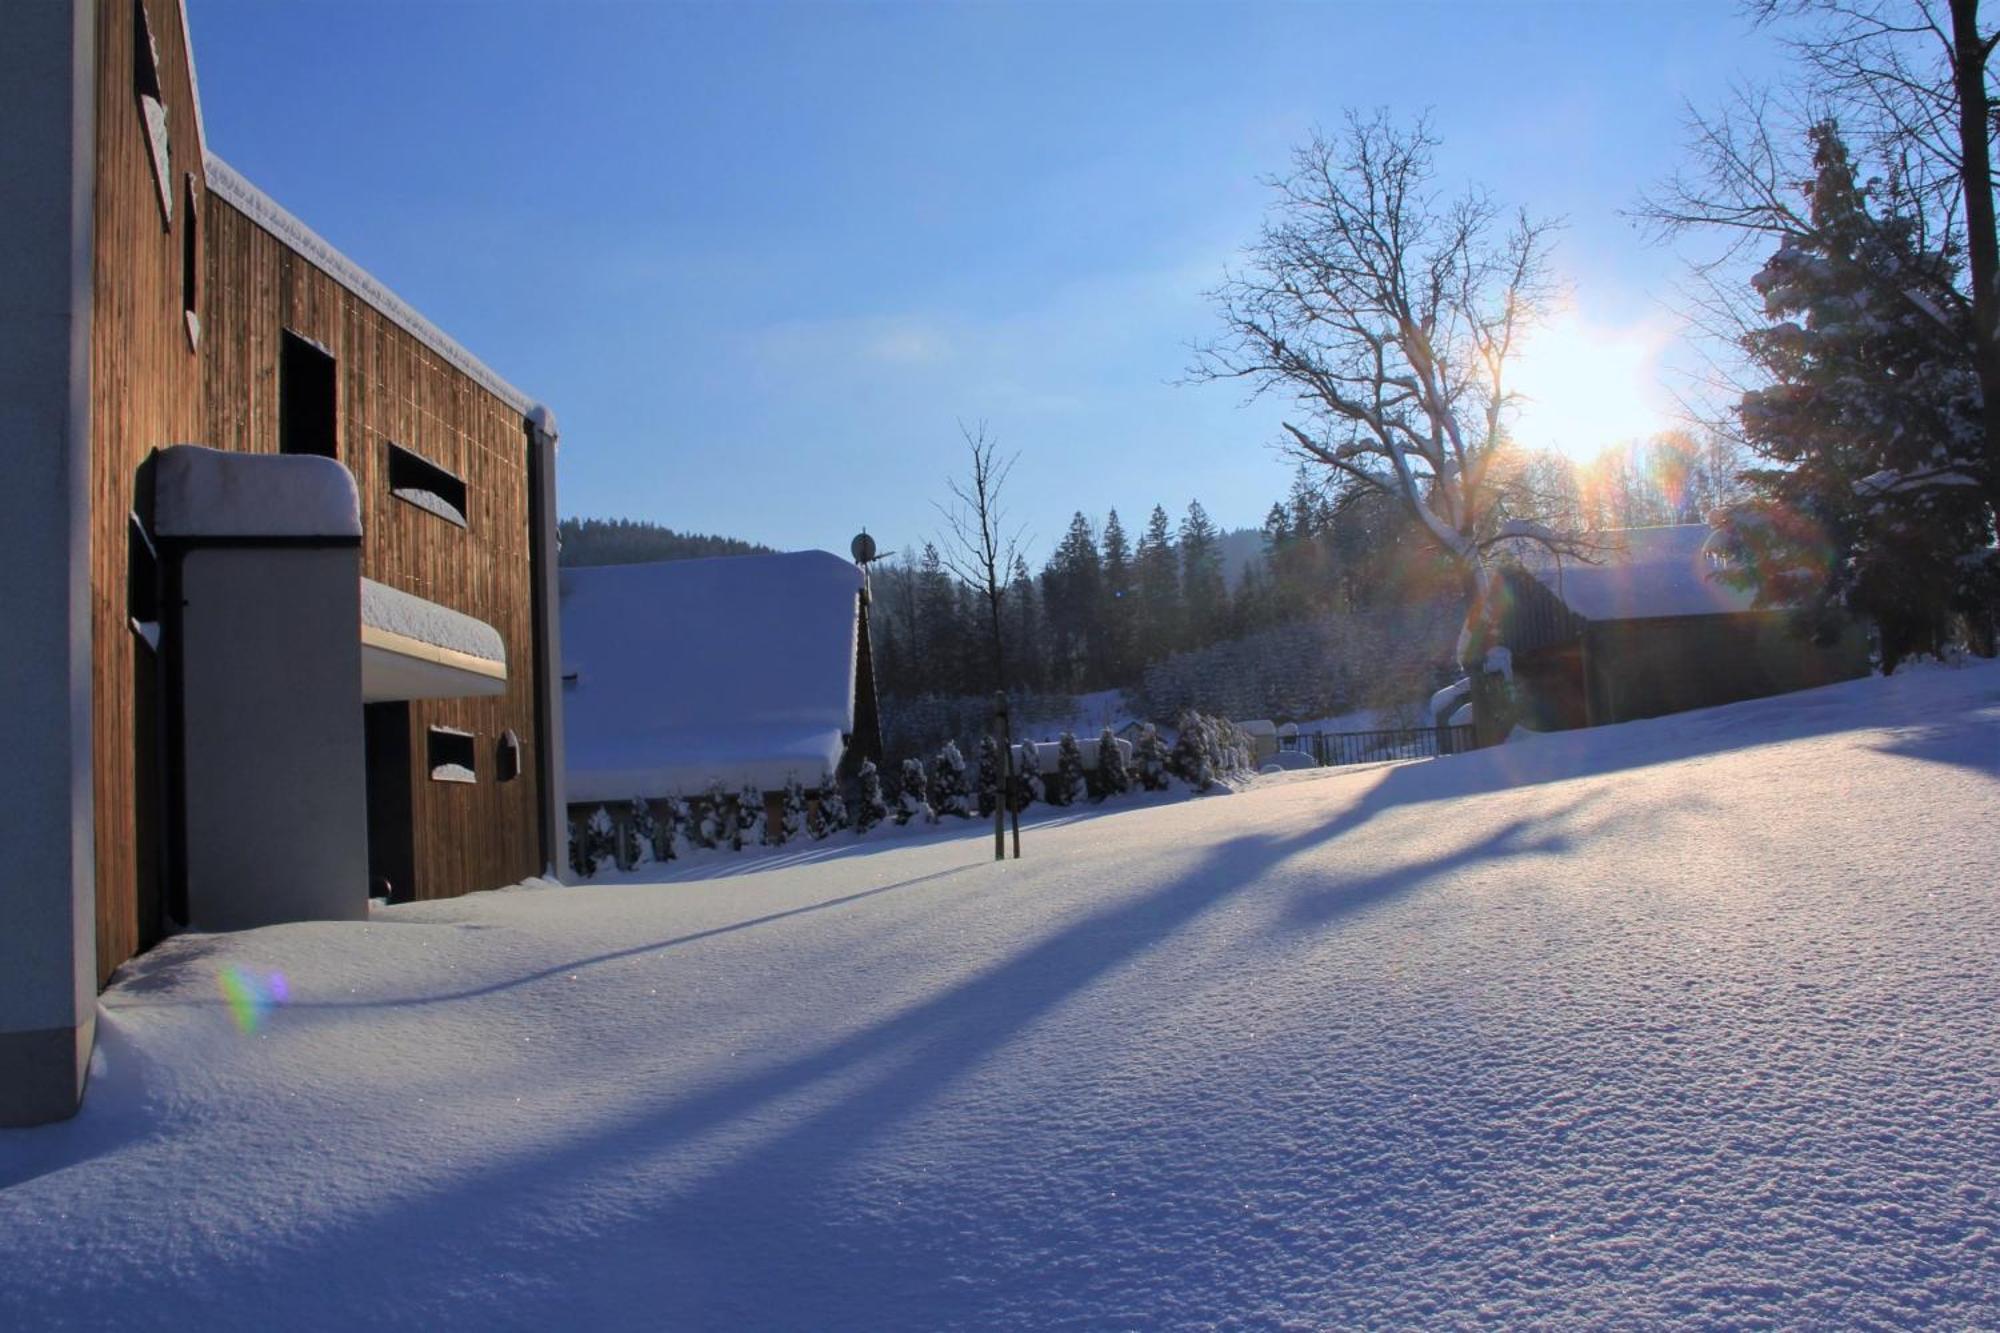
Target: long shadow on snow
[{"x": 922, "y": 1051}]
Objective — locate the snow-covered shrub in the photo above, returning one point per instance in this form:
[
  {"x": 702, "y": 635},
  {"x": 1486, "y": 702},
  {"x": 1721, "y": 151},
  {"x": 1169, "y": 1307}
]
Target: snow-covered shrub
[
  {"x": 711, "y": 830},
  {"x": 1063, "y": 786},
  {"x": 641, "y": 831},
  {"x": 1113, "y": 778},
  {"x": 1023, "y": 787},
  {"x": 989, "y": 776},
  {"x": 582, "y": 853},
  {"x": 1191, "y": 759},
  {"x": 750, "y": 818},
  {"x": 913, "y": 794},
  {"x": 949, "y": 793},
  {"x": 1149, "y": 756},
  {"x": 829, "y": 813},
  {"x": 673, "y": 818},
  {"x": 870, "y": 808},
  {"x": 600, "y": 842},
  {"x": 791, "y": 819}
]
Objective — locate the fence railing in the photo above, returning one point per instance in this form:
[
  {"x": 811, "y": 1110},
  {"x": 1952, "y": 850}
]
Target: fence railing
[{"x": 1363, "y": 747}]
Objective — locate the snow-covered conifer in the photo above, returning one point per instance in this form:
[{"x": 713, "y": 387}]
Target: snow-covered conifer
[
  {"x": 1113, "y": 778},
  {"x": 948, "y": 792},
  {"x": 870, "y": 807},
  {"x": 791, "y": 819},
  {"x": 989, "y": 776},
  {"x": 1150, "y": 757},
  {"x": 672, "y": 821},
  {"x": 582, "y": 854},
  {"x": 1063, "y": 786},
  {"x": 829, "y": 812},
  {"x": 913, "y": 794},
  {"x": 712, "y": 829},
  {"x": 750, "y": 818},
  {"x": 641, "y": 831},
  {"x": 602, "y": 834}
]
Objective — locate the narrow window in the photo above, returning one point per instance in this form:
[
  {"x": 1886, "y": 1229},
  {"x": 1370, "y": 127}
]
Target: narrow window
[
  {"x": 191, "y": 260},
  {"x": 142, "y": 582},
  {"x": 453, "y": 756},
  {"x": 152, "y": 106},
  {"x": 424, "y": 484},
  {"x": 508, "y": 760},
  {"x": 306, "y": 398}
]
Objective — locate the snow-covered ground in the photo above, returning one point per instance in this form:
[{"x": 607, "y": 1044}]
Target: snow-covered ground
[{"x": 1690, "y": 1020}]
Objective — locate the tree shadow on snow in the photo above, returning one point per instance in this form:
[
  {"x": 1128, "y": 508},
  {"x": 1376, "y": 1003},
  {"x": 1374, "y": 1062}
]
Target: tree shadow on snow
[{"x": 770, "y": 1196}]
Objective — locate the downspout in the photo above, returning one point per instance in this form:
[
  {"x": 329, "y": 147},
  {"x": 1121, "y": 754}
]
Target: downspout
[{"x": 543, "y": 555}]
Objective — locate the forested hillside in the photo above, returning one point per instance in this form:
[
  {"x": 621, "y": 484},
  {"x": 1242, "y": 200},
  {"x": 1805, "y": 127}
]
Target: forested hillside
[{"x": 627, "y": 541}]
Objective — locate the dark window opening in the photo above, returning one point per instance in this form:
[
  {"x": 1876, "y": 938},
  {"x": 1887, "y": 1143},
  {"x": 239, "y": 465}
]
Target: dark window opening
[
  {"x": 307, "y": 394},
  {"x": 152, "y": 105},
  {"x": 190, "y": 260},
  {"x": 508, "y": 762},
  {"x": 424, "y": 484},
  {"x": 142, "y": 582},
  {"x": 453, "y": 756}
]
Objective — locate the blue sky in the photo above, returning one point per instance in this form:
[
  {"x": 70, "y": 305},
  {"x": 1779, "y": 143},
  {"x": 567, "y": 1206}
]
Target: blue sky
[{"x": 761, "y": 259}]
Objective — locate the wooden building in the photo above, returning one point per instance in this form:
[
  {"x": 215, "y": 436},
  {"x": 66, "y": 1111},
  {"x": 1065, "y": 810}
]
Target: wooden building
[
  {"x": 1650, "y": 629},
  {"x": 287, "y": 554}
]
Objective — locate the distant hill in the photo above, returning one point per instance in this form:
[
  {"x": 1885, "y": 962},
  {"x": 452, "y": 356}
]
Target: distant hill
[
  {"x": 1242, "y": 548},
  {"x": 627, "y": 541}
]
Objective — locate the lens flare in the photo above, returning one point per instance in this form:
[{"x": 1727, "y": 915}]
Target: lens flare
[{"x": 251, "y": 995}]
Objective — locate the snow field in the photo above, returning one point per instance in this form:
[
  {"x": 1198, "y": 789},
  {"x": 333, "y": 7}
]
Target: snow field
[{"x": 1685, "y": 1021}]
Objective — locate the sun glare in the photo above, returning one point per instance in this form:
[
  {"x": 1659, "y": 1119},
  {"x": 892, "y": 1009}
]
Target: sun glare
[{"x": 1585, "y": 386}]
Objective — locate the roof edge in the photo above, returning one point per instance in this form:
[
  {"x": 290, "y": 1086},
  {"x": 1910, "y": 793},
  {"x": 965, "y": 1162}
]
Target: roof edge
[{"x": 267, "y": 213}]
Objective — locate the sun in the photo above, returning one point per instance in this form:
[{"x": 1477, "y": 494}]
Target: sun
[{"x": 1585, "y": 386}]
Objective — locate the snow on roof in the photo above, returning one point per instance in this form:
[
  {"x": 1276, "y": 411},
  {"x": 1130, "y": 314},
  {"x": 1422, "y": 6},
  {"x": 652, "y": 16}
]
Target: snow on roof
[
  {"x": 738, "y": 669},
  {"x": 225, "y": 181},
  {"x": 204, "y": 492},
  {"x": 1646, "y": 573},
  {"x": 411, "y": 616}
]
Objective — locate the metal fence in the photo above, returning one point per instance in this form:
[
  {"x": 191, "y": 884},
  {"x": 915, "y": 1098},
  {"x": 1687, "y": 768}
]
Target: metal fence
[{"x": 1363, "y": 747}]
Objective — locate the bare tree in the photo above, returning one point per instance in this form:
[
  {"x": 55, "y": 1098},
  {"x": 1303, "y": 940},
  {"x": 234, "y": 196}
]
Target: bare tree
[
  {"x": 978, "y": 546},
  {"x": 1390, "y": 315}
]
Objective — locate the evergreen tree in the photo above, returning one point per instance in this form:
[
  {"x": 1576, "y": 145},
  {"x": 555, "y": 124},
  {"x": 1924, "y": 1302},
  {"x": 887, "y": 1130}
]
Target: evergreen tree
[
  {"x": 913, "y": 794},
  {"x": 1113, "y": 778},
  {"x": 1873, "y": 423},
  {"x": 1118, "y": 614},
  {"x": 1027, "y": 653},
  {"x": 1203, "y": 591},
  {"x": 949, "y": 792},
  {"x": 829, "y": 812},
  {"x": 1063, "y": 786},
  {"x": 642, "y": 831},
  {"x": 988, "y": 789},
  {"x": 1190, "y": 759},
  {"x": 750, "y": 821},
  {"x": 602, "y": 834},
  {"x": 791, "y": 819},
  {"x": 582, "y": 850},
  {"x": 1149, "y": 756},
  {"x": 1071, "y": 602},
  {"x": 870, "y": 806},
  {"x": 1159, "y": 579},
  {"x": 711, "y": 829},
  {"x": 673, "y": 819}
]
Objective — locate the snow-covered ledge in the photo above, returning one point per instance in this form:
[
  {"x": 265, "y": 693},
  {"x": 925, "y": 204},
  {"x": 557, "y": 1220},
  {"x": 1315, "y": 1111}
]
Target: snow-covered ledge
[
  {"x": 201, "y": 493},
  {"x": 415, "y": 649}
]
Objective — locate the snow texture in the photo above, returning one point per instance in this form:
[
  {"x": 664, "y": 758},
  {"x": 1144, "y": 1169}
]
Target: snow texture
[
  {"x": 398, "y": 612},
  {"x": 201, "y": 492},
  {"x": 1567, "y": 1033},
  {"x": 1645, "y": 573},
  {"x": 739, "y": 668}
]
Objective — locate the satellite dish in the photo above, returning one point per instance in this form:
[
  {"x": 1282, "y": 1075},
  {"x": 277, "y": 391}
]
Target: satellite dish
[{"x": 863, "y": 548}]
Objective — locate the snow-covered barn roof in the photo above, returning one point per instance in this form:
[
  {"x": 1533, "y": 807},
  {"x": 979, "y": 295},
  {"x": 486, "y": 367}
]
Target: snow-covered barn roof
[
  {"x": 738, "y": 669},
  {"x": 1645, "y": 573}
]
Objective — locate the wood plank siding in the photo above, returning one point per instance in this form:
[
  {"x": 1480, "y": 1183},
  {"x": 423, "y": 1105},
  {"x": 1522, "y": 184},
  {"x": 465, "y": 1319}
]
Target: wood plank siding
[
  {"x": 145, "y": 387},
  {"x": 395, "y": 389},
  {"x": 153, "y": 385}
]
